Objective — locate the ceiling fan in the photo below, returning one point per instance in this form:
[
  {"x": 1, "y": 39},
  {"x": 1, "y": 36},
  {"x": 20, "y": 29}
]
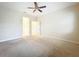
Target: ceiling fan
[{"x": 36, "y": 7}]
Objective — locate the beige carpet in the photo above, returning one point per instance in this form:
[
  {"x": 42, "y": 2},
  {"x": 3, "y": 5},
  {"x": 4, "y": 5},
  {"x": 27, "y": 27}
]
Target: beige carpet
[
  {"x": 37, "y": 47},
  {"x": 23, "y": 47}
]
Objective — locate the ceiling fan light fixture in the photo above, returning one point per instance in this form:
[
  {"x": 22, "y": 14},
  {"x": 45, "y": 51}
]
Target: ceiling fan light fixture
[{"x": 37, "y": 7}]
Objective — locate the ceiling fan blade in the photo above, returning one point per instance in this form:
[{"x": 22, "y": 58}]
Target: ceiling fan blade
[
  {"x": 35, "y": 3},
  {"x": 39, "y": 10},
  {"x": 42, "y": 7},
  {"x": 34, "y": 10},
  {"x": 30, "y": 7}
]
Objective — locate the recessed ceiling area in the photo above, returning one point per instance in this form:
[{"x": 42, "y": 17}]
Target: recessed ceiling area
[{"x": 50, "y": 6}]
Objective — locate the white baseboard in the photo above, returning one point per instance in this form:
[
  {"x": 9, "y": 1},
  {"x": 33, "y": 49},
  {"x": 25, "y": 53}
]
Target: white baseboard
[
  {"x": 60, "y": 38},
  {"x": 10, "y": 39}
]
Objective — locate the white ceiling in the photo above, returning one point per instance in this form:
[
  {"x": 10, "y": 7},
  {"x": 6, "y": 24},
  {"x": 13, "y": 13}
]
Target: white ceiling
[{"x": 22, "y": 6}]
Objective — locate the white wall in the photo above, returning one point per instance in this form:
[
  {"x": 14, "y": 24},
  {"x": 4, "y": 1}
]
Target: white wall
[
  {"x": 11, "y": 23},
  {"x": 60, "y": 23}
]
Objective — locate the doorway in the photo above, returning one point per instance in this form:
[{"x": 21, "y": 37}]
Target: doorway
[
  {"x": 35, "y": 28},
  {"x": 26, "y": 29},
  {"x": 30, "y": 27}
]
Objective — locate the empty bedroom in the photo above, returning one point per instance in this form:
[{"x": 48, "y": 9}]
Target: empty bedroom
[{"x": 39, "y": 29}]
